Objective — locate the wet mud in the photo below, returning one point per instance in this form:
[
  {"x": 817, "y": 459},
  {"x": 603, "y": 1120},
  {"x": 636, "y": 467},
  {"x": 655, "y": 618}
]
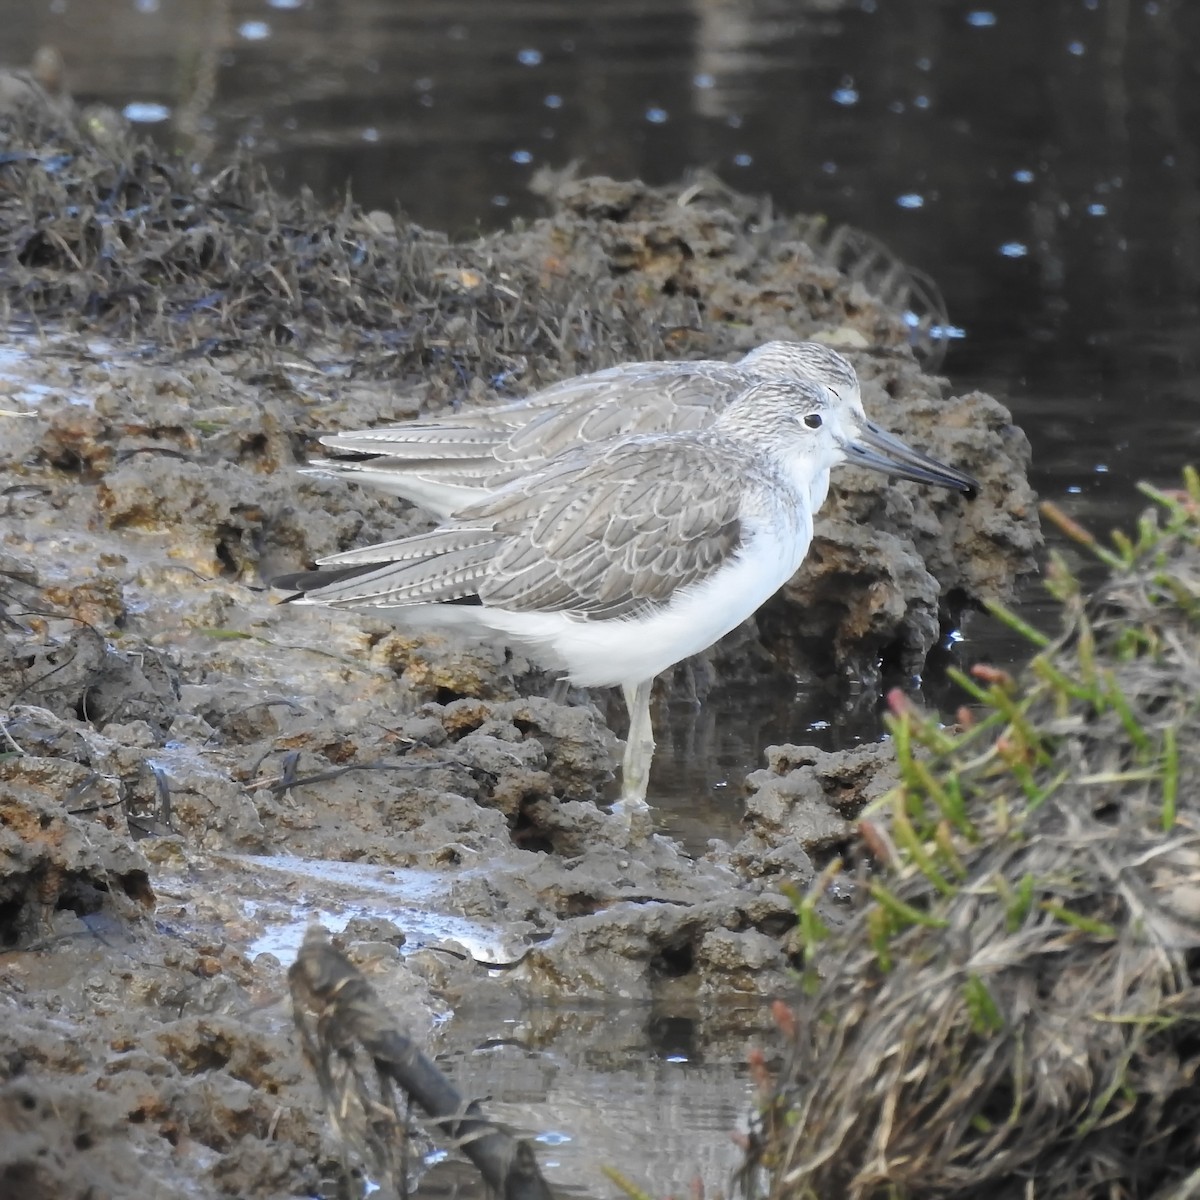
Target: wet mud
[{"x": 190, "y": 772}]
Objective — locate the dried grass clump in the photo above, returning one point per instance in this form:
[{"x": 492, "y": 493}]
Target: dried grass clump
[
  {"x": 100, "y": 228},
  {"x": 1013, "y": 1010},
  {"x": 122, "y": 236}
]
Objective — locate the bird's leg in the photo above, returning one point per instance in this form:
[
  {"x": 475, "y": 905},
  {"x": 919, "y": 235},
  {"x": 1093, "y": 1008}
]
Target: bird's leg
[{"x": 639, "y": 745}]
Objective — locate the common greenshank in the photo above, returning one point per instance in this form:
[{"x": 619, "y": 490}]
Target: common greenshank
[
  {"x": 450, "y": 462},
  {"x": 617, "y": 559}
]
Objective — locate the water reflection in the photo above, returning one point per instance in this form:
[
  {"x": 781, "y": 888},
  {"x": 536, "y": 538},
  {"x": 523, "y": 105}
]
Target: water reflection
[{"x": 623, "y": 1088}]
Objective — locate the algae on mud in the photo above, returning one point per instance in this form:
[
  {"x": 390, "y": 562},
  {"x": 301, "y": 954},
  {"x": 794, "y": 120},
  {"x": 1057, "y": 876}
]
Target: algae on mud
[
  {"x": 180, "y": 337},
  {"x": 1014, "y": 1008}
]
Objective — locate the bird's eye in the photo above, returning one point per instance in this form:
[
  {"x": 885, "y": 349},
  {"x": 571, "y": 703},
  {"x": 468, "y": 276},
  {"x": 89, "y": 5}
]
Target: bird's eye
[{"x": 813, "y": 421}]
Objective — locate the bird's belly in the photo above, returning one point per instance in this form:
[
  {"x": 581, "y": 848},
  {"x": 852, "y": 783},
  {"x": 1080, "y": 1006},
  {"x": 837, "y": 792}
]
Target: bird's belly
[{"x": 602, "y": 653}]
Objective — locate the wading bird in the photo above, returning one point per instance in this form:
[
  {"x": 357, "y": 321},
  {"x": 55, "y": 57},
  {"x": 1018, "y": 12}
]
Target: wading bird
[{"x": 619, "y": 558}]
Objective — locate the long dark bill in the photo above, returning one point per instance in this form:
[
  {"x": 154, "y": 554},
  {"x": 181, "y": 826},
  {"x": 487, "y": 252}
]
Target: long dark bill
[{"x": 878, "y": 450}]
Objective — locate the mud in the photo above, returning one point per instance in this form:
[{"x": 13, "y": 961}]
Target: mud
[{"x": 190, "y": 772}]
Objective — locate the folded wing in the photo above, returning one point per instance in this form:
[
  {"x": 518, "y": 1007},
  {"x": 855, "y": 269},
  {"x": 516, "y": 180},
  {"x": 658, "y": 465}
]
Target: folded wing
[{"x": 602, "y": 538}]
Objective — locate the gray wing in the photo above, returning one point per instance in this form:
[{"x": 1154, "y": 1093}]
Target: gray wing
[
  {"x": 478, "y": 431},
  {"x": 426, "y": 441},
  {"x": 673, "y": 397},
  {"x": 602, "y": 536},
  {"x": 633, "y": 398}
]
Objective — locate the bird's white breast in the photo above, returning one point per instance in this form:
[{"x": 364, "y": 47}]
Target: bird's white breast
[{"x": 602, "y": 653}]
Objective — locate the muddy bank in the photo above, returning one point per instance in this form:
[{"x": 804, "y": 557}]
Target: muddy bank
[{"x": 191, "y": 772}]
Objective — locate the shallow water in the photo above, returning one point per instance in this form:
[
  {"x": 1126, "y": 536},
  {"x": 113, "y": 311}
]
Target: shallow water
[
  {"x": 1037, "y": 158},
  {"x": 333, "y": 893},
  {"x": 596, "y": 1096}
]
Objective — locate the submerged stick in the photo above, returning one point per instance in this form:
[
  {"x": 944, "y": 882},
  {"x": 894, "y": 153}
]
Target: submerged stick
[{"x": 326, "y": 985}]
